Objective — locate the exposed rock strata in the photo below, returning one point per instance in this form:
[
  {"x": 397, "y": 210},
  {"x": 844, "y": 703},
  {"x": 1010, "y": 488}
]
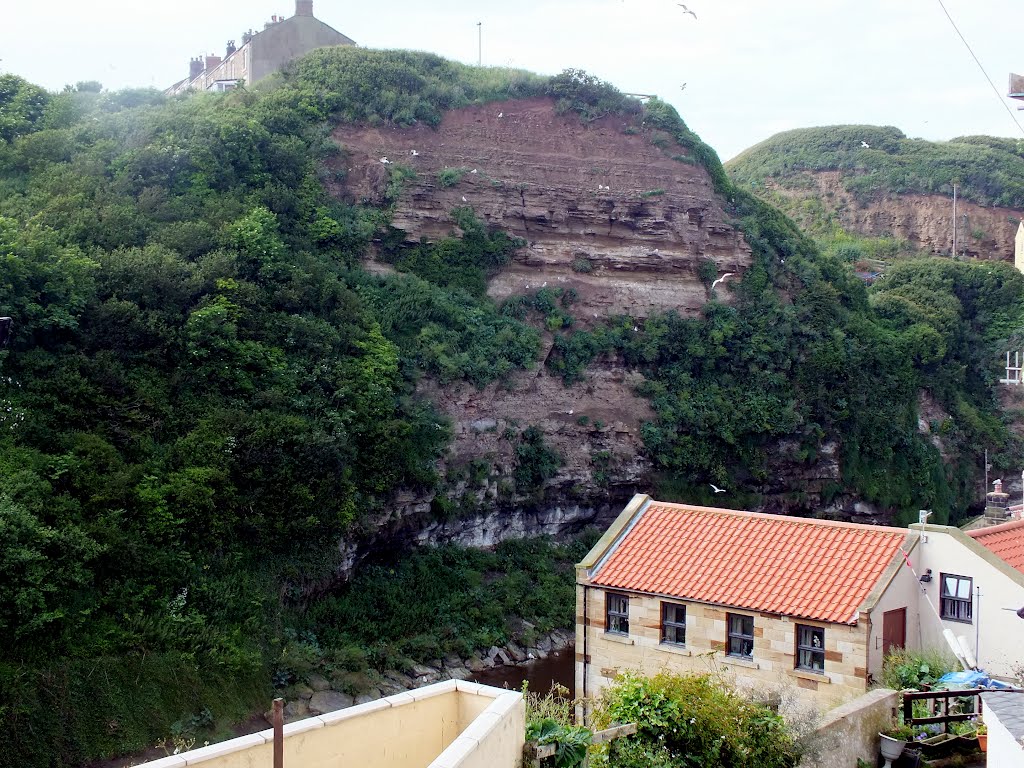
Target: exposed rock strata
[{"x": 924, "y": 221}]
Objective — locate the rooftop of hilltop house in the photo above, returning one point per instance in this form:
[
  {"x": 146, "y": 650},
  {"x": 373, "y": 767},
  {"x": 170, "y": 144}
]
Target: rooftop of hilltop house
[{"x": 261, "y": 53}]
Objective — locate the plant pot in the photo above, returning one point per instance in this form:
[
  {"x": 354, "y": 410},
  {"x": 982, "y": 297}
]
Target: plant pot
[
  {"x": 891, "y": 748},
  {"x": 983, "y": 742}
]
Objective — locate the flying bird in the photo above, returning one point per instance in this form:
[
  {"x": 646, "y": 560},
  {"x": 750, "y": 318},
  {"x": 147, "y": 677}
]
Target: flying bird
[
  {"x": 501, "y": 114},
  {"x": 719, "y": 280},
  {"x": 414, "y": 153},
  {"x": 473, "y": 171},
  {"x": 716, "y": 489},
  {"x": 464, "y": 199},
  {"x": 385, "y": 160},
  {"x": 687, "y": 10},
  {"x": 682, "y": 87},
  {"x": 865, "y": 145}
]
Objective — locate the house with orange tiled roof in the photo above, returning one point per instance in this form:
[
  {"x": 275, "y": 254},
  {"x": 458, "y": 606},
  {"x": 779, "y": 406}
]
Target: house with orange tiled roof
[{"x": 772, "y": 599}]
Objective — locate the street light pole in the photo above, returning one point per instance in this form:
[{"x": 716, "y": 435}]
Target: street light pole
[{"x": 479, "y": 43}]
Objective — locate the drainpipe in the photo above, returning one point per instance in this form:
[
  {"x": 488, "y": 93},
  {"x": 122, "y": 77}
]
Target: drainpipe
[{"x": 977, "y": 628}]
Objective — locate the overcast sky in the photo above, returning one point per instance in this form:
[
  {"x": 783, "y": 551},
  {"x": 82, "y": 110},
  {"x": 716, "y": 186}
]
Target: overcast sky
[{"x": 751, "y": 67}]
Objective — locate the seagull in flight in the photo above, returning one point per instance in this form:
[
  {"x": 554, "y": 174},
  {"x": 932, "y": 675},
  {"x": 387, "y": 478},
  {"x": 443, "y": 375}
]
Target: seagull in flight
[
  {"x": 716, "y": 489},
  {"x": 721, "y": 279},
  {"x": 414, "y": 153},
  {"x": 865, "y": 145},
  {"x": 687, "y": 10},
  {"x": 682, "y": 87},
  {"x": 385, "y": 160}
]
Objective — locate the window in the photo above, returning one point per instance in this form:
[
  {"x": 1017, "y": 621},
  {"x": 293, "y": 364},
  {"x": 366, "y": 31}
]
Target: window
[
  {"x": 617, "y": 610},
  {"x": 810, "y": 648},
  {"x": 956, "y": 597},
  {"x": 741, "y": 635},
  {"x": 673, "y": 623}
]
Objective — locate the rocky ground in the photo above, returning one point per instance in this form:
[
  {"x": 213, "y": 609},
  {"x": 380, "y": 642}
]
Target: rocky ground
[{"x": 318, "y": 694}]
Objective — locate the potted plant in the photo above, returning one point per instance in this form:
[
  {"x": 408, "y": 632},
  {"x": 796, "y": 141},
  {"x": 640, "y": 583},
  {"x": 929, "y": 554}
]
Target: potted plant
[
  {"x": 982, "y": 731},
  {"x": 893, "y": 741}
]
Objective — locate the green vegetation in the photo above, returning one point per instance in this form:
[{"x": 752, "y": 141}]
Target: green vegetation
[
  {"x": 902, "y": 668},
  {"x": 989, "y": 171},
  {"x": 693, "y": 720},
  {"x": 205, "y": 393},
  {"x": 431, "y": 603}
]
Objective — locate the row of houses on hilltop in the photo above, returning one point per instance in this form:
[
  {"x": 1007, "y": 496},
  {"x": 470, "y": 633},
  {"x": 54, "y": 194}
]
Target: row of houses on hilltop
[{"x": 261, "y": 53}]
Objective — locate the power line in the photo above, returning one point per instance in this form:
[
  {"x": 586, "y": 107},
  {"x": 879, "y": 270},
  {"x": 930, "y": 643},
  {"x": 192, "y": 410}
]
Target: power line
[{"x": 978, "y": 62}]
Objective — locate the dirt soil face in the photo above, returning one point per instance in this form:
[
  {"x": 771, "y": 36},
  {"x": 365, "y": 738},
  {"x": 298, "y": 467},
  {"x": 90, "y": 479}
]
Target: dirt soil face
[{"x": 924, "y": 221}]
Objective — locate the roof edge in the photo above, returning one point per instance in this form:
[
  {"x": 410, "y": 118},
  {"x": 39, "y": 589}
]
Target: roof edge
[
  {"x": 889, "y": 574},
  {"x": 614, "y": 531},
  {"x": 974, "y": 546},
  {"x": 978, "y": 533},
  {"x": 785, "y": 518}
]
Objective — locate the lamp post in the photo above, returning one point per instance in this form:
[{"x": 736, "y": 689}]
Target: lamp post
[{"x": 479, "y": 43}]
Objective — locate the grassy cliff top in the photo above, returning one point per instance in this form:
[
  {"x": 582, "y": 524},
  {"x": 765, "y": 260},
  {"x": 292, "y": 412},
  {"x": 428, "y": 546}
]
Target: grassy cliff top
[{"x": 988, "y": 170}]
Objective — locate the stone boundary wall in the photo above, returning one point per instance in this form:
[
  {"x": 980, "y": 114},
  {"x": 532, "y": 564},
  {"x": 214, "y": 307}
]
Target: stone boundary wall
[{"x": 851, "y": 731}]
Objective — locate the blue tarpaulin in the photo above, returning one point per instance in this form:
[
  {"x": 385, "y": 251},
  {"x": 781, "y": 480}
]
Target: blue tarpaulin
[{"x": 969, "y": 679}]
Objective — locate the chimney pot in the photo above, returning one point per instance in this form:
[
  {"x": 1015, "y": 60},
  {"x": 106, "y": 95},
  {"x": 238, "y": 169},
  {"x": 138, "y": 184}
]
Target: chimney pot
[{"x": 303, "y": 7}]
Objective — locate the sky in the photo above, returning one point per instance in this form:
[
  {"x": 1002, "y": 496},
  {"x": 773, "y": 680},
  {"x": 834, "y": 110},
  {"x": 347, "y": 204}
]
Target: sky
[{"x": 751, "y": 68}]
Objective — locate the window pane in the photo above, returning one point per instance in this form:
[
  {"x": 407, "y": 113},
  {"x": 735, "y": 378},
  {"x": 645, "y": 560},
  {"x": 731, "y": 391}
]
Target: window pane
[
  {"x": 964, "y": 588},
  {"x": 949, "y": 585}
]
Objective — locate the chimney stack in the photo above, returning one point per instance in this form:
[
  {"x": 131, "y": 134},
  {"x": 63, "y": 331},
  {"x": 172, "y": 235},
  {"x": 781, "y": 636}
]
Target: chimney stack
[
  {"x": 212, "y": 62},
  {"x": 231, "y": 48},
  {"x": 195, "y": 68},
  {"x": 303, "y": 7}
]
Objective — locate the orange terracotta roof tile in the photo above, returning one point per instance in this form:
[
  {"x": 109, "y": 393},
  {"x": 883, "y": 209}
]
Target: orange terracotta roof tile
[
  {"x": 1006, "y": 541},
  {"x": 813, "y": 569}
]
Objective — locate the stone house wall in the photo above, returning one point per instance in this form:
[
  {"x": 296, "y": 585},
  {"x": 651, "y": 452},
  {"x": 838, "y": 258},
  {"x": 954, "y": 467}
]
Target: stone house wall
[{"x": 773, "y": 662}]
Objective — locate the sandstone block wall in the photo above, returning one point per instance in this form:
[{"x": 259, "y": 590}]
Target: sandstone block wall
[{"x": 774, "y": 655}]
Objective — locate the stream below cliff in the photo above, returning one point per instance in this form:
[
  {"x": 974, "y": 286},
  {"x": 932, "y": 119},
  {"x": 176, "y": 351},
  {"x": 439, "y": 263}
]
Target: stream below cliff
[{"x": 541, "y": 674}]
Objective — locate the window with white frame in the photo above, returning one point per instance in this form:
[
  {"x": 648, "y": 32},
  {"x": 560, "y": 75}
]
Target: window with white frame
[
  {"x": 673, "y": 623},
  {"x": 616, "y": 613},
  {"x": 810, "y": 648},
  {"x": 956, "y": 597}
]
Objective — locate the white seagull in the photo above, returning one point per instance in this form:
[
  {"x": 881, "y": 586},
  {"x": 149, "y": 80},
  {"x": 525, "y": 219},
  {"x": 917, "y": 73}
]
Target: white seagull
[
  {"x": 414, "y": 153},
  {"x": 687, "y": 10},
  {"x": 464, "y": 199},
  {"x": 719, "y": 280},
  {"x": 501, "y": 114},
  {"x": 716, "y": 489},
  {"x": 473, "y": 171},
  {"x": 864, "y": 145},
  {"x": 385, "y": 160}
]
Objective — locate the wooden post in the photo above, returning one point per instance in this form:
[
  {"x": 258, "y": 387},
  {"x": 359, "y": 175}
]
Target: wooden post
[{"x": 278, "y": 733}]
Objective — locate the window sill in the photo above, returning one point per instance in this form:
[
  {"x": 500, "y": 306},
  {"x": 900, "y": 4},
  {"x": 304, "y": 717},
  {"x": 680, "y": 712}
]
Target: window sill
[
  {"x": 738, "y": 662},
  {"x": 806, "y": 674},
  {"x": 617, "y": 638},
  {"x": 958, "y": 621},
  {"x": 680, "y": 650}
]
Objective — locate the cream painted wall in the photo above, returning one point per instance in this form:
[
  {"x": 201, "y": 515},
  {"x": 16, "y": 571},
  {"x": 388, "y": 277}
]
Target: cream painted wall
[
  {"x": 996, "y": 627},
  {"x": 1003, "y": 749},
  {"x": 446, "y": 725},
  {"x": 902, "y": 591}
]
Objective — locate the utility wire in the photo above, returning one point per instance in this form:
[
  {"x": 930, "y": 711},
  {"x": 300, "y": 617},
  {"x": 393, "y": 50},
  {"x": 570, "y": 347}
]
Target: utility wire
[{"x": 978, "y": 62}]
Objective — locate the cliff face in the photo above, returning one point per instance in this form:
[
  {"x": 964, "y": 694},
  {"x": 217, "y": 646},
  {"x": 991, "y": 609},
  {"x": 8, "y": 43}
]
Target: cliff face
[
  {"x": 605, "y": 211},
  {"x": 924, "y": 221},
  {"x": 601, "y": 207}
]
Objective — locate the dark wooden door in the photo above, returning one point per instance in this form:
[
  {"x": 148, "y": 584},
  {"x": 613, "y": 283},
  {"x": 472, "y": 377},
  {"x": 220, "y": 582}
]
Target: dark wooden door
[{"x": 894, "y": 630}]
